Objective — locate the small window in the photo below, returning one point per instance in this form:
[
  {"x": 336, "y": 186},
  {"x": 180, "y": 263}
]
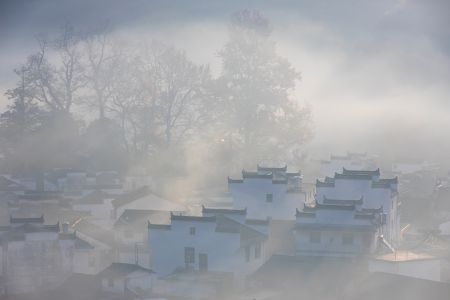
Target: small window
[
  {"x": 269, "y": 197},
  {"x": 192, "y": 231},
  {"x": 347, "y": 239},
  {"x": 314, "y": 237},
  {"x": 247, "y": 253},
  {"x": 110, "y": 282},
  {"x": 258, "y": 251},
  {"x": 189, "y": 255}
]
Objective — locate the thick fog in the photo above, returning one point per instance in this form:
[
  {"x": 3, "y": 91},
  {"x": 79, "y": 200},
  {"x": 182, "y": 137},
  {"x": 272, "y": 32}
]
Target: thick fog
[
  {"x": 130, "y": 124},
  {"x": 374, "y": 73}
]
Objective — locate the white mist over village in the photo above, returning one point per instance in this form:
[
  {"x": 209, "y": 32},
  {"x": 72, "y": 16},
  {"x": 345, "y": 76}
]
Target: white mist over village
[{"x": 192, "y": 150}]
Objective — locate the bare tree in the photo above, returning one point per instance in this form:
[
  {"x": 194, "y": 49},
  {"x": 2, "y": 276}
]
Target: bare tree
[
  {"x": 56, "y": 84},
  {"x": 101, "y": 59},
  {"x": 126, "y": 102},
  {"x": 178, "y": 89}
]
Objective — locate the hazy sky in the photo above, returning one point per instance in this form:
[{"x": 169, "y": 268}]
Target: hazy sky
[{"x": 376, "y": 73}]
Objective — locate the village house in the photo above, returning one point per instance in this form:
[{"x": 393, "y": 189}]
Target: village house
[
  {"x": 131, "y": 234},
  {"x": 337, "y": 229},
  {"x": 369, "y": 193},
  {"x": 355, "y": 213},
  {"x": 90, "y": 255},
  {"x": 126, "y": 280},
  {"x": 143, "y": 199},
  {"x": 215, "y": 242},
  {"x": 268, "y": 192},
  {"x": 35, "y": 256}
]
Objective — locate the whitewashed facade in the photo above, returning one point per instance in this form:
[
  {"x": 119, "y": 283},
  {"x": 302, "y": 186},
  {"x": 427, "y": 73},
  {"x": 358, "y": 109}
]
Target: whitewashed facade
[
  {"x": 355, "y": 212},
  {"x": 336, "y": 230},
  {"x": 374, "y": 192},
  {"x": 35, "y": 256},
  {"x": 214, "y": 243},
  {"x": 90, "y": 255},
  {"x": 268, "y": 192},
  {"x": 131, "y": 235}
]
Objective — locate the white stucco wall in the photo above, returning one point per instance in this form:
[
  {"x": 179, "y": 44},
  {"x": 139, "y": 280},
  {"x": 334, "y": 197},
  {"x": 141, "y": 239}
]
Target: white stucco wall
[
  {"x": 331, "y": 243},
  {"x": 373, "y": 198},
  {"x": 251, "y": 194},
  {"x": 223, "y": 249}
]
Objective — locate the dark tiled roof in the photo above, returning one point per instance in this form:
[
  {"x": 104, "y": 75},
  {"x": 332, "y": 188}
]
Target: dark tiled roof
[
  {"x": 247, "y": 174},
  {"x": 389, "y": 180},
  {"x": 192, "y": 218},
  {"x": 235, "y": 180},
  {"x": 328, "y": 206},
  {"x": 342, "y": 201},
  {"x": 385, "y": 183},
  {"x": 30, "y": 228},
  {"x": 324, "y": 183},
  {"x": 304, "y": 214},
  {"x": 121, "y": 270},
  {"x": 158, "y": 226},
  {"x": 329, "y": 180},
  {"x": 271, "y": 169},
  {"x": 353, "y": 176},
  {"x": 15, "y": 220},
  {"x": 361, "y": 172},
  {"x": 138, "y": 218},
  {"x": 224, "y": 211},
  {"x": 372, "y": 210},
  {"x": 292, "y": 174}
]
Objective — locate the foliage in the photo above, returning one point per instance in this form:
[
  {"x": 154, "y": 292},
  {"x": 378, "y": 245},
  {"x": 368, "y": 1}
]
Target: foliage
[
  {"x": 151, "y": 103},
  {"x": 263, "y": 121}
]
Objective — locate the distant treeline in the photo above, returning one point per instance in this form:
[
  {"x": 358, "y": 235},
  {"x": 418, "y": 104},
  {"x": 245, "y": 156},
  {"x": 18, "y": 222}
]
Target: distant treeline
[{"x": 87, "y": 99}]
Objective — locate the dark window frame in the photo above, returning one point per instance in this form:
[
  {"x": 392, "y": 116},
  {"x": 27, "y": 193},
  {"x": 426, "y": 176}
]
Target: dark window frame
[
  {"x": 189, "y": 255},
  {"x": 192, "y": 230}
]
